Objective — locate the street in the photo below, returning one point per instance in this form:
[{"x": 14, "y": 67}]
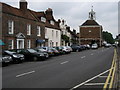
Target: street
[{"x": 65, "y": 71}]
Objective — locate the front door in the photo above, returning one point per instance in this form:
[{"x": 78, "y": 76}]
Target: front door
[{"x": 20, "y": 43}]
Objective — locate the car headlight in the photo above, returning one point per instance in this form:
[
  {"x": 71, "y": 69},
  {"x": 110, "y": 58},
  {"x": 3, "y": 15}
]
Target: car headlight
[
  {"x": 42, "y": 54},
  {"x": 10, "y": 57},
  {"x": 14, "y": 56}
]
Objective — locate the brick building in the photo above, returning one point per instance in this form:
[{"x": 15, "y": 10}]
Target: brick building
[
  {"x": 91, "y": 31},
  {"x": 25, "y": 28},
  {"x": 21, "y": 28}
]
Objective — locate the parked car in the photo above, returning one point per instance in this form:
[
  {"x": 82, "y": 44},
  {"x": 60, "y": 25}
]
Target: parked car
[
  {"x": 31, "y": 54},
  {"x": 76, "y": 48},
  {"x": 48, "y": 50},
  {"x": 94, "y": 46},
  {"x": 17, "y": 58},
  {"x": 87, "y": 46},
  {"x": 108, "y": 45},
  {"x": 69, "y": 48},
  {"x": 59, "y": 49},
  {"x": 65, "y": 49},
  {"x": 55, "y": 51},
  {"x": 82, "y": 47},
  {"x": 40, "y": 50},
  {"x": 5, "y": 60}
]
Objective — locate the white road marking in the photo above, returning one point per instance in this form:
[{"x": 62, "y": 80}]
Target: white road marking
[
  {"x": 83, "y": 57},
  {"x": 25, "y": 73},
  {"x": 64, "y": 62},
  {"x": 103, "y": 76},
  {"x": 91, "y": 84},
  {"x": 89, "y": 80}
]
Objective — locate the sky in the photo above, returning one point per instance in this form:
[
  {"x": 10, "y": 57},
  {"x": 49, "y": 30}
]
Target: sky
[{"x": 75, "y": 12}]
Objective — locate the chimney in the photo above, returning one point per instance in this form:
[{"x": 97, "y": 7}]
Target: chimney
[
  {"x": 49, "y": 11},
  {"x": 74, "y": 31},
  {"x": 23, "y": 4},
  {"x": 68, "y": 28}
]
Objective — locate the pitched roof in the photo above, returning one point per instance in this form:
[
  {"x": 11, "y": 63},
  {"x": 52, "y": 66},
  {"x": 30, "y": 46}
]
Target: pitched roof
[
  {"x": 48, "y": 18},
  {"x": 90, "y": 23},
  {"x": 29, "y": 14},
  {"x": 18, "y": 12}
]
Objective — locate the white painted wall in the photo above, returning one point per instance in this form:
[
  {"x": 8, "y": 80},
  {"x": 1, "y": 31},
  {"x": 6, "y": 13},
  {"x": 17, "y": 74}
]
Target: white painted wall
[
  {"x": 53, "y": 37},
  {"x": 65, "y": 32}
]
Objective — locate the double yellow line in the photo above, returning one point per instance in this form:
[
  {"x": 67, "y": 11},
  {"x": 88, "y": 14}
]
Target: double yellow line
[{"x": 111, "y": 75}]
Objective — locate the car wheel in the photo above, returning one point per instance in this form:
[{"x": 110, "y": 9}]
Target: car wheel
[{"x": 35, "y": 58}]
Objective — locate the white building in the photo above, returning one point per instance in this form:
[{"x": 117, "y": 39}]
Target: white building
[
  {"x": 65, "y": 30},
  {"x": 53, "y": 36},
  {"x": 52, "y": 30}
]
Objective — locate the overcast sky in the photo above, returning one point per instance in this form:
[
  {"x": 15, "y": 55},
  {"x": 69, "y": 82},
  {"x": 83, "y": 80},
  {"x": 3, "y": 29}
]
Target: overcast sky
[{"x": 76, "y": 13}]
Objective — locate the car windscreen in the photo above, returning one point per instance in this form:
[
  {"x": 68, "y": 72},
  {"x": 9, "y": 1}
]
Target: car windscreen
[
  {"x": 9, "y": 52},
  {"x": 31, "y": 50}
]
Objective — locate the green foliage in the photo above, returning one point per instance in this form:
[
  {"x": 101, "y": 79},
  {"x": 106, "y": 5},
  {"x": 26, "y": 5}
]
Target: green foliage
[
  {"x": 65, "y": 38},
  {"x": 108, "y": 37}
]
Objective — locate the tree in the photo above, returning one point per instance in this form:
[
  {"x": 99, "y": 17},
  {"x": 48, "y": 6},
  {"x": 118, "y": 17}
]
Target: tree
[
  {"x": 65, "y": 38},
  {"x": 108, "y": 37}
]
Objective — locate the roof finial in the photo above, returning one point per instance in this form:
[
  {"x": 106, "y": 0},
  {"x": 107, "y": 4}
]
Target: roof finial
[{"x": 92, "y": 14}]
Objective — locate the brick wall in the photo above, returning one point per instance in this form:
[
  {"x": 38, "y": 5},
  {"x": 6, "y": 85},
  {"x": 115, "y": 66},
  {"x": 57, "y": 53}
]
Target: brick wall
[{"x": 20, "y": 26}]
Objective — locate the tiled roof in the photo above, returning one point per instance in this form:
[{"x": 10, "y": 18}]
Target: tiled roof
[
  {"x": 90, "y": 22},
  {"x": 17, "y": 12},
  {"x": 29, "y": 14},
  {"x": 48, "y": 18}
]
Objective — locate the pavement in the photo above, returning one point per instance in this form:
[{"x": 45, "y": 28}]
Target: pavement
[{"x": 85, "y": 69}]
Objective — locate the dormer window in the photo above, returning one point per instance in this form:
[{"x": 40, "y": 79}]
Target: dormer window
[
  {"x": 43, "y": 19},
  {"x": 52, "y": 22}
]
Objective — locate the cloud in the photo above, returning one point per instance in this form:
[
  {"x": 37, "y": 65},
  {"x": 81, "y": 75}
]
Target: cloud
[{"x": 75, "y": 13}]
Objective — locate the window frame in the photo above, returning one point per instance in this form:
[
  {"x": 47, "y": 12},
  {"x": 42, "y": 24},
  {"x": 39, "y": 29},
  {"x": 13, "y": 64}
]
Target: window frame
[
  {"x": 28, "y": 29},
  {"x": 10, "y": 26},
  {"x": 12, "y": 44},
  {"x": 38, "y": 31}
]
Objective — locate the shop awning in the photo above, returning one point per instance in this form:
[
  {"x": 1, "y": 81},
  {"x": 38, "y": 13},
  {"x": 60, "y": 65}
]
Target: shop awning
[
  {"x": 40, "y": 41},
  {"x": 1, "y": 42}
]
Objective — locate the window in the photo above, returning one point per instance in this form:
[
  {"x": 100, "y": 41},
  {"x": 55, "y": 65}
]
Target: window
[
  {"x": 28, "y": 29},
  {"x": 10, "y": 27},
  {"x": 38, "y": 31},
  {"x": 52, "y": 22},
  {"x": 56, "y": 33},
  {"x": 28, "y": 43},
  {"x": 52, "y": 33},
  {"x": 43, "y": 19},
  {"x": 52, "y": 44},
  {"x": 56, "y": 43},
  {"x": 10, "y": 44}
]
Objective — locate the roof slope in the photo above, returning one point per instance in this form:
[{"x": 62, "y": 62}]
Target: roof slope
[
  {"x": 90, "y": 23},
  {"x": 17, "y": 12}
]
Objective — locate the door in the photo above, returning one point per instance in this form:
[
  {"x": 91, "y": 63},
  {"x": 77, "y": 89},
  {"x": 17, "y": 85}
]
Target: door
[{"x": 20, "y": 43}]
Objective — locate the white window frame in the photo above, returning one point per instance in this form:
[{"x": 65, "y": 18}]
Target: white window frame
[
  {"x": 12, "y": 44},
  {"x": 18, "y": 43},
  {"x": 38, "y": 31},
  {"x": 28, "y": 29},
  {"x": 43, "y": 19},
  {"x": 10, "y": 26},
  {"x": 28, "y": 44}
]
